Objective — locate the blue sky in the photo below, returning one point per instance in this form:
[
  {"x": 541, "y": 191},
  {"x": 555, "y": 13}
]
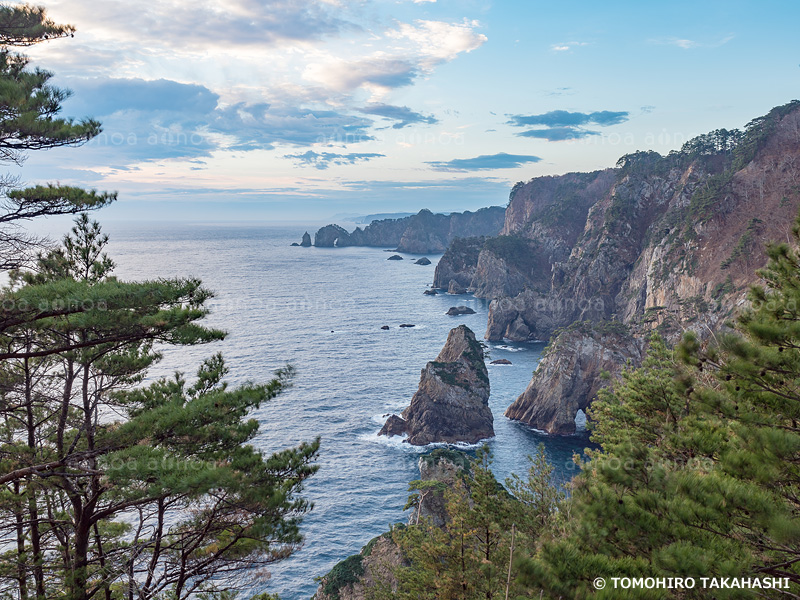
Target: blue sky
[{"x": 301, "y": 109}]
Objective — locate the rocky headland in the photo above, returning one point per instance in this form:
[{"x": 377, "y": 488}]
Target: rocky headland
[
  {"x": 668, "y": 243},
  {"x": 422, "y": 233},
  {"x": 452, "y": 402}
]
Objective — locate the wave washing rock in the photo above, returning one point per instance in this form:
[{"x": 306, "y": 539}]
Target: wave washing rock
[
  {"x": 424, "y": 261},
  {"x": 422, "y": 233},
  {"x": 569, "y": 375},
  {"x": 452, "y": 402}
]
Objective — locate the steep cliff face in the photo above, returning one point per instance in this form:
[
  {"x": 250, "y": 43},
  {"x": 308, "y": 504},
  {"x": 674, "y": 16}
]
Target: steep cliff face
[
  {"x": 673, "y": 242},
  {"x": 569, "y": 375},
  {"x": 422, "y": 233},
  {"x": 661, "y": 242},
  {"x": 452, "y": 402}
]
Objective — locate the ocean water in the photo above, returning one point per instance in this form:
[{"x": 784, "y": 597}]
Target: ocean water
[{"x": 322, "y": 310}]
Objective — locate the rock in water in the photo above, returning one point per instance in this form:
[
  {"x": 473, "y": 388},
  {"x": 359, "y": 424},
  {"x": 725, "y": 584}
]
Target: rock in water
[
  {"x": 456, "y": 288},
  {"x": 423, "y": 261},
  {"x": 452, "y": 402},
  {"x": 500, "y": 361},
  {"x": 568, "y": 377},
  {"x": 385, "y": 327},
  {"x": 295, "y": 244},
  {"x": 460, "y": 310},
  {"x": 406, "y": 325},
  {"x": 306, "y": 243},
  {"x": 430, "y": 292},
  {"x": 395, "y": 257}
]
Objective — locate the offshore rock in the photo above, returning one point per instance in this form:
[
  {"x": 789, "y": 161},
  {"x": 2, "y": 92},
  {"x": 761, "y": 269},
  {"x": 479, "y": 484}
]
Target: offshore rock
[
  {"x": 430, "y": 293},
  {"x": 395, "y": 257},
  {"x": 501, "y": 361},
  {"x": 454, "y": 311},
  {"x": 306, "y": 243},
  {"x": 452, "y": 402},
  {"x": 569, "y": 375},
  {"x": 331, "y": 236},
  {"x": 423, "y": 261}
]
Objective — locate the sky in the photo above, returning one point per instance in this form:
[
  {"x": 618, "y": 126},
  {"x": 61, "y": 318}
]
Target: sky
[{"x": 300, "y": 110}]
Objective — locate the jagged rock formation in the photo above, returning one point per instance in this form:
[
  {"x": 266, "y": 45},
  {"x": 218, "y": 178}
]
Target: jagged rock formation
[
  {"x": 452, "y": 402},
  {"x": 306, "y": 243},
  {"x": 422, "y": 233},
  {"x": 568, "y": 376},
  {"x": 660, "y": 242}
]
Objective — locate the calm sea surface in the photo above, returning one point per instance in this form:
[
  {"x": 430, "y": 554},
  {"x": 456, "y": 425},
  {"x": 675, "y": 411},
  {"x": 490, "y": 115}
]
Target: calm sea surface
[{"x": 322, "y": 311}]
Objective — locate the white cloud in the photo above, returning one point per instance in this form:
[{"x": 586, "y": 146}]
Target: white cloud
[{"x": 567, "y": 46}]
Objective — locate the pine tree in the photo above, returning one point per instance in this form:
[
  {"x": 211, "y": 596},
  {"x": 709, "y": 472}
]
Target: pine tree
[{"x": 137, "y": 492}]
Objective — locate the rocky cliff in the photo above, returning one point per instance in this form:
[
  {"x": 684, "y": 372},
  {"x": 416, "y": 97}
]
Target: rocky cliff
[
  {"x": 422, "y": 233},
  {"x": 659, "y": 242},
  {"x": 452, "y": 402},
  {"x": 571, "y": 372}
]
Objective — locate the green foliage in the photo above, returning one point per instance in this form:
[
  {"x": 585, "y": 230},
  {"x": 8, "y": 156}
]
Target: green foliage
[
  {"x": 516, "y": 251},
  {"x": 344, "y": 573},
  {"x": 166, "y": 469},
  {"x": 458, "y": 458}
]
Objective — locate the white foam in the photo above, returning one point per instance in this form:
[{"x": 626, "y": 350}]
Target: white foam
[
  {"x": 510, "y": 348},
  {"x": 399, "y": 442}
]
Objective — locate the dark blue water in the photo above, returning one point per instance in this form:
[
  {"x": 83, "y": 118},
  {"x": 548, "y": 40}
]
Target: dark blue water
[{"x": 322, "y": 311}]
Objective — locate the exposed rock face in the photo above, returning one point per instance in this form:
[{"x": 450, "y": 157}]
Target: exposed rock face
[
  {"x": 660, "y": 242},
  {"x": 430, "y": 293},
  {"x": 452, "y": 402},
  {"x": 455, "y": 311},
  {"x": 423, "y": 261},
  {"x": 306, "y": 243},
  {"x": 568, "y": 377},
  {"x": 445, "y": 466},
  {"x": 456, "y": 288},
  {"x": 422, "y": 233},
  {"x": 458, "y": 262},
  {"x": 330, "y": 236}
]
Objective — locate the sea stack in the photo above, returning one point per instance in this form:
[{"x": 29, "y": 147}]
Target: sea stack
[
  {"x": 306, "y": 243},
  {"x": 452, "y": 402}
]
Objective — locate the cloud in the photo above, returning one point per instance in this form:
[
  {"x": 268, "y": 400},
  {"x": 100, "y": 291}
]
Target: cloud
[
  {"x": 687, "y": 44},
  {"x": 200, "y": 24},
  {"x": 485, "y": 162},
  {"x": 563, "y": 118},
  {"x": 560, "y": 125},
  {"x": 413, "y": 51},
  {"x": 558, "y": 134},
  {"x": 567, "y": 46},
  {"x": 150, "y": 120},
  {"x": 345, "y": 76},
  {"x": 402, "y": 114},
  {"x": 323, "y": 160}
]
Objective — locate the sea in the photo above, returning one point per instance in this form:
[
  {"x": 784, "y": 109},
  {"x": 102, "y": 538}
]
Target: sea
[{"x": 321, "y": 310}]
